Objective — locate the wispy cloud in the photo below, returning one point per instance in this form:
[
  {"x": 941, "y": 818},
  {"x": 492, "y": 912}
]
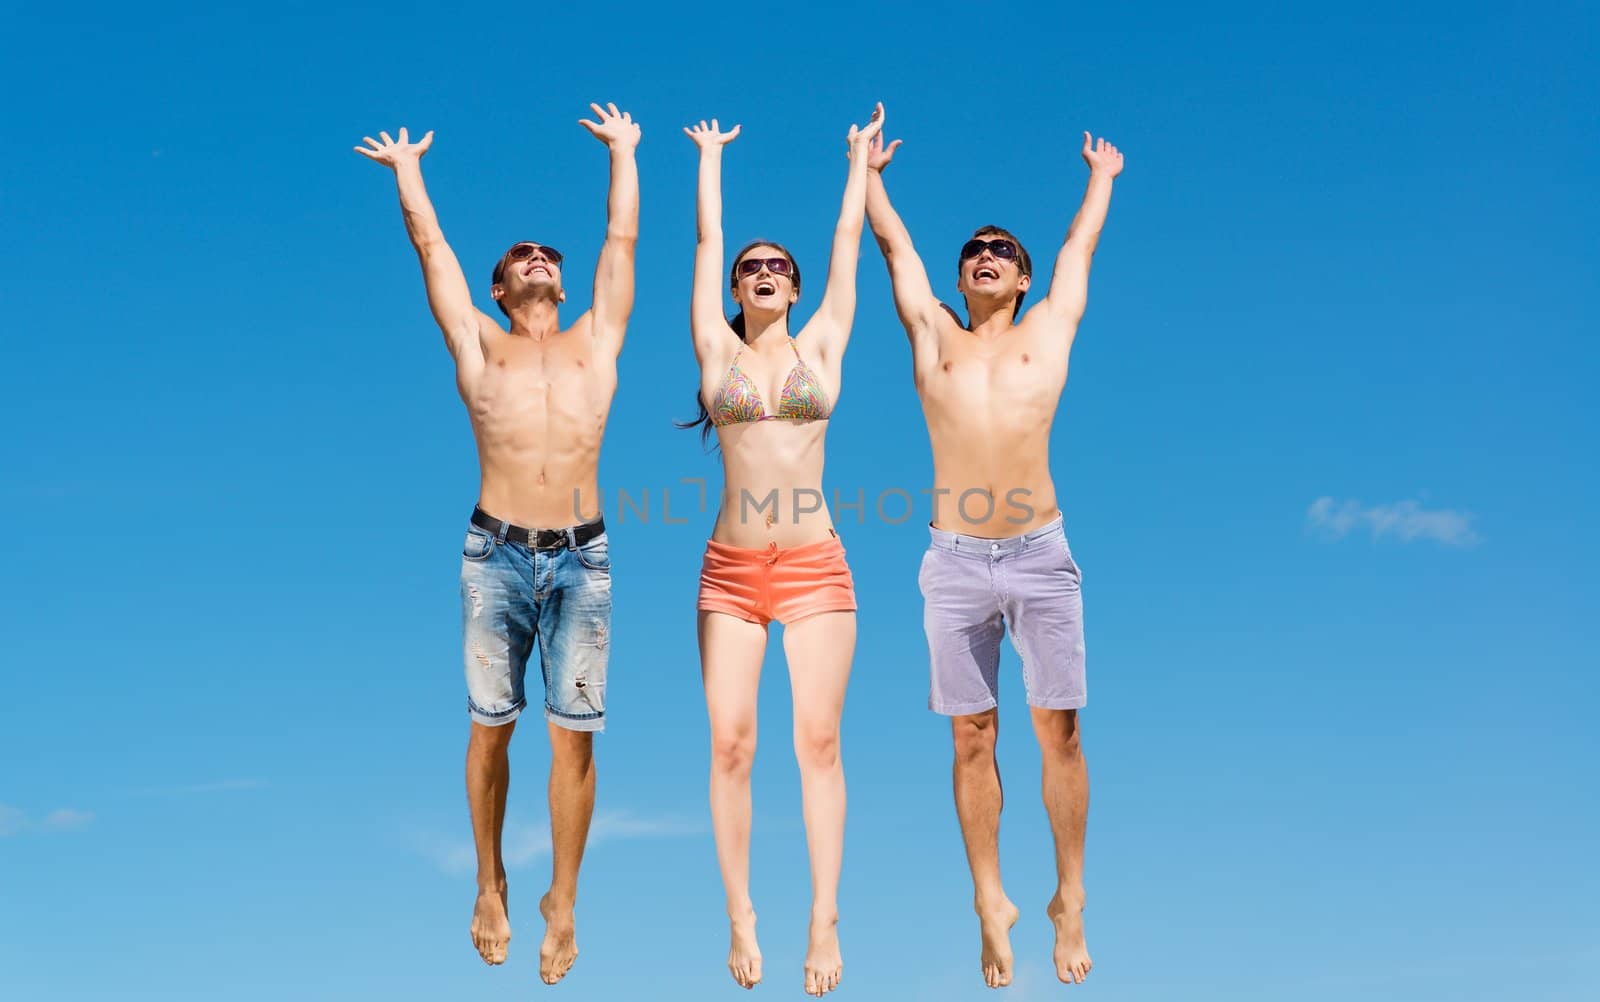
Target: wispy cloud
[
  {"x": 1405, "y": 521},
  {"x": 194, "y": 789},
  {"x": 523, "y": 843},
  {"x": 16, "y": 821},
  {"x": 65, "y": 819}
]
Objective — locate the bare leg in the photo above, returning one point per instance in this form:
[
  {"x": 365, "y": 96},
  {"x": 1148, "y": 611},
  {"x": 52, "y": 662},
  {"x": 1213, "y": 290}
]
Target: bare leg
[
  {"x": 488, "y": 778},
  {"x": 820, "y": 649},
  {"x": 1066, "y": 800},
  {"x": 979, "y": 798},
  {"x": 731, "y": 650},
  {"x": 571, "y": 806}
]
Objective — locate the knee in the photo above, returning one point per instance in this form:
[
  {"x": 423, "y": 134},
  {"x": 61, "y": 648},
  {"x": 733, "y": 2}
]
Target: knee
[
  {"x": 975, "y": 736},
  {"x": 1058, "y": 733},
  {"x": 490, "y": 742},
  {"x": 571, "y": 749},
  {"x": 816, "y": 748},
  {"x": 733, "y": 753}
]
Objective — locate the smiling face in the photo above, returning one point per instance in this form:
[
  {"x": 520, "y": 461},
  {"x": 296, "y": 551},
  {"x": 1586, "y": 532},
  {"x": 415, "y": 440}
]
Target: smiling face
[
  {"x": 758, "y": 280},
  {"x": 527, "y": 271},
  {"x": 995, "y": 266}
]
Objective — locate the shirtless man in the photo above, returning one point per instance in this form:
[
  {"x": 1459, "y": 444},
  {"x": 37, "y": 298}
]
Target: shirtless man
[
  {"x": 999, "y": 556},
  {"x": 538, "y": 397}
]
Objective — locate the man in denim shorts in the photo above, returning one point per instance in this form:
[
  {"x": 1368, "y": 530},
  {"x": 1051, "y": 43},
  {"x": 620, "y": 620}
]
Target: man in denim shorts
[
  {"x": 535, "y": 566},
  {"x": 999, "y": 557}
]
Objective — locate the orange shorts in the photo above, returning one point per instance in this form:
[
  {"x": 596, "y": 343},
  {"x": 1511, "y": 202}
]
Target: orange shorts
[{"x": 787, "y": 585}]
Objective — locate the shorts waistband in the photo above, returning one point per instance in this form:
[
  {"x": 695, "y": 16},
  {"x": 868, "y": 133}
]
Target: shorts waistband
[
  {"x": 754, "y": 553},
  {"x": 572, "y": 536},
  {"x": 983, "y": 546}
]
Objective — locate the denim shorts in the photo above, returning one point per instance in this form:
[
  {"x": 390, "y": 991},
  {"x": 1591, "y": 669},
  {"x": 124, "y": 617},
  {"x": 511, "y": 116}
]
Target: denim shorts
[
  {"x": 973, "y": 588},
  {"x": 513, "y": 599}
]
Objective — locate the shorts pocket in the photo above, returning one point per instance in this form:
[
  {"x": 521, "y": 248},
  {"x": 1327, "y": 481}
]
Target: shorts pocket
[
  {"x": 477, "y": 546},
  {"x": 595, "y": 554},
  {"x": 1072, "y": 565}
]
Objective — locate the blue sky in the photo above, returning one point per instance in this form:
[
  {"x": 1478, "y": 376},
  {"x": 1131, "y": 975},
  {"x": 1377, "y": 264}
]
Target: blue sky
[{"x": 1340, "y": 748}]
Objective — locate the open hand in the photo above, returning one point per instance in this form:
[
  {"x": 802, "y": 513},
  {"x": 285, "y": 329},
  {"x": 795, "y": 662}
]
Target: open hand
[
  {"x": 392, "y": 153},
  {"x": 860, "y": 137},
  {"x": 711, "y": 136},
  {"x": 616, "y": 129},
  {"x": 1102, "y": 158},
  {"x": 880, "y": 156}
]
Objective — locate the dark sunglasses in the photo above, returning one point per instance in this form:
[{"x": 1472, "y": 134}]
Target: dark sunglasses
[
  {"x": 1005, "y": 250},
  {"x": 522, "y": 252},
  {"x": 777, "y": 265}
]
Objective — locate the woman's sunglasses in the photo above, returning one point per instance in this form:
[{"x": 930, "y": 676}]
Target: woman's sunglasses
[
  {"x": 777, "y": 265},
  {"x": 1005, "y": 250}
]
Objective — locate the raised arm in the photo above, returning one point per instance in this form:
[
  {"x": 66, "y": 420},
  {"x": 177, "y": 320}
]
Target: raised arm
[
  {"x": 1069, "y": 285},
  {"x": 913, "y": 295},
  {"x": 613, "y": 276},
  {"x": 837, "y": 310},
  {"x": 710, "y": 328},
  {"x": 448, "y": 296}
]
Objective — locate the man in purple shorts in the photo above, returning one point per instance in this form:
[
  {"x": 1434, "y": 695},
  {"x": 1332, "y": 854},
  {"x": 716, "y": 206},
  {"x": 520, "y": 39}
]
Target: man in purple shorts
[{"x": 999, "y": 556}]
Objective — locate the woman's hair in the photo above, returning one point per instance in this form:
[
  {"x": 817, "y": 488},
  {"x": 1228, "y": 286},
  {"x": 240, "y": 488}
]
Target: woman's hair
[{"x": 703, "y": 421}]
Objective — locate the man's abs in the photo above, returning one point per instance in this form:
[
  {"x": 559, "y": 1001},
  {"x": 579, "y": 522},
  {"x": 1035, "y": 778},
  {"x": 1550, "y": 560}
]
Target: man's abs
[{"x": 539, "y": 445}]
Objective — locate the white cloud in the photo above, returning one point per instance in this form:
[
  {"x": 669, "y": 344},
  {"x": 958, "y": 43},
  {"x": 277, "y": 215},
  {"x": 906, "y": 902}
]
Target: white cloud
[
  {"x": 524, "y": 843},
  {"x": 1406, "y": 521},
  {"x": 15, "y": 821},
  {"x": 65, "y": 819}
]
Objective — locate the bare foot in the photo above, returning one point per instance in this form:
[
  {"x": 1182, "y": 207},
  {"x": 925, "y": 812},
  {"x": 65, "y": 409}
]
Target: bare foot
[
  {"x": 995, "y": 927},
  {"x": 559, "y": 951},
  {"x": 1072, "y": 956},
  {"x": 491, "y": 929},
  {"x": 744, "y": 956},
  {"x": 823, "y": 963}
]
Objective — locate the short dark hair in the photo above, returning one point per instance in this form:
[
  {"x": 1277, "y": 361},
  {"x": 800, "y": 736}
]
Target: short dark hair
[{"x": 1024, "y": 262}]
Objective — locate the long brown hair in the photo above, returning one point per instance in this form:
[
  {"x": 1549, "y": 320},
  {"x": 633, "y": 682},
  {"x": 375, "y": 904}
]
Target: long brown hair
[{"x": 703, "y": 420}]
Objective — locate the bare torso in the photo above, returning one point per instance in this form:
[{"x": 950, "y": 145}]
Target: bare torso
[
  {"x": 538, "y": 410},
  {"x": 990, "y": 403},
  {"x": 772, "y": 470}
]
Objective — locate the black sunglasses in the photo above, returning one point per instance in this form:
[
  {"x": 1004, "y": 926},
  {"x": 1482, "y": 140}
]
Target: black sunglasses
[
  {"x": 1005, "y": 250},
  {"x": 777, "y": 265},
  {"x": 522, "y": 252}
]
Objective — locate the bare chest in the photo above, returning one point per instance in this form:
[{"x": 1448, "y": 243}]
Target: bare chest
[
  {"x": 562, "y": 373},
  {"x": 967, "y": 376}
]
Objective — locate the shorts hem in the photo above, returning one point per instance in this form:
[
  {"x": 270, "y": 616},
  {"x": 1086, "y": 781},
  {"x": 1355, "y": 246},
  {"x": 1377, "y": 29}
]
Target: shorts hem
[
  {"x": 597, "y": 722},
  {"x": 729, "y": 609},
  {"x": 816, "y": 610},
  {"x": 498, "y": 719},
  {"x": 1061, "y": 703},
  {"x": 962, "y": 709}
]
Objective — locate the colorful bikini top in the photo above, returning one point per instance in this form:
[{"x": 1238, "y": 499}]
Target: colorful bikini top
[{"x": 738, "y": 400}]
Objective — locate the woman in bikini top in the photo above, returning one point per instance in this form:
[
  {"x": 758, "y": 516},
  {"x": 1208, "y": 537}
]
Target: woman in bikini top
[{"x": 773, "y": 554}]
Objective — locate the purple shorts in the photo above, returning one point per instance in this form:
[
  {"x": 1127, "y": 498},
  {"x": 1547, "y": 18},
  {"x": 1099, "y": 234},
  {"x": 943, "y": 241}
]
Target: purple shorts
[{"x": 972, "y": 589}]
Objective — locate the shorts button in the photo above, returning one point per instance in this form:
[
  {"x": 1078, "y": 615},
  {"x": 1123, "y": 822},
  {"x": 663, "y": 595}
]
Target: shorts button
[{"x": 994, "y": 547}]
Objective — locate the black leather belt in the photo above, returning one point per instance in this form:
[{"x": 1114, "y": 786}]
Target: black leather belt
[{"x": 538, "y": 539}]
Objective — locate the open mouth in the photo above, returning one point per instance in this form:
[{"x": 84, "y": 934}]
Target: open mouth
[
  {"x": 537, "y": 267},
  {"x": 765, "y": 288},
  {"x": 983, "y": 272}
]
